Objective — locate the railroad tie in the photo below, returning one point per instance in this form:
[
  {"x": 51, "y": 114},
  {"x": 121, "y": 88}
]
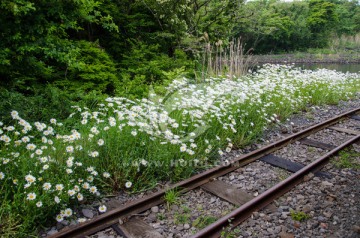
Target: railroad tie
[
  {"x": 355, "y": 117},
  {"x": 136, "y": 227},
  {"x": 288, "y": 165},
  {"x": 231, "y": 194},
  {"x": 317, "y": 144},
  {"x": 345, "y": 130}
]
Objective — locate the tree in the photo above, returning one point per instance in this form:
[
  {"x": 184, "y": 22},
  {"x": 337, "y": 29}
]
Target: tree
[
  {"x": 272, "y": 26},
  {"x": 36, "y": 47},
  {"x": 322, "y": 18},
  {"x": 349, "y": 17}
]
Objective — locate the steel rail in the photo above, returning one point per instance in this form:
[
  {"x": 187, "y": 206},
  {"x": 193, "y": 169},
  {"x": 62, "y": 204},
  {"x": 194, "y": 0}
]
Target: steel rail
[
  {"x": 243, "y": 212},
  {"x": 112, "y": 217}
]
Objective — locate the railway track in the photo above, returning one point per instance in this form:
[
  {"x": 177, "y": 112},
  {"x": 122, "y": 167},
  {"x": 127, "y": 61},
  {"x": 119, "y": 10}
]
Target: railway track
[{"x": 121, "y": 219}]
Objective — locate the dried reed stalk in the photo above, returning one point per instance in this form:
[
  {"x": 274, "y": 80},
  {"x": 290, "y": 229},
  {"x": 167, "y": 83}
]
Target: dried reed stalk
[{"x": 230, "y": 61}]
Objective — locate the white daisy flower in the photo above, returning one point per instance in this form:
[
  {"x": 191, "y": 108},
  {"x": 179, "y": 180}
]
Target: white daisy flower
[
  {"x": 59, "y": 187},
  {"x": 38, "y": 152},
  {"x": 43, "y": 159},
  {"x": 30, "y": 146},
  {"x": 14, "y": 114},
  {"x": 70, "y": 149},
  {"x": 59, "y": 218},
  {"x": 46, "y": 186},
  {"x": 93, "y": 189},
  {"x": 102, "y": 208},
  {"x": 81, "y": 220},
  {"x": 183, "y": 148},
  {"x": 80, "y": 197},
  {"x": 94, "y": 154},
  {"x": 31, "y": 196},
  {"x": 128, "y": 184},
  {"x": 25, "y": 139},
  {"x": 86, "y": 185},
  {"x": 68, "y": 212},
  {"x": 100, "y": 142},
  {"x": 57, "y": 199},
  {"x": 30, "y": 179},
  {"x": 71, "y": 192}
]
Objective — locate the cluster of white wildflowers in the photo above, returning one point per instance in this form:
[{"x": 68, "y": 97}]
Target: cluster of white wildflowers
[
  {"x": 189, "y": 110},
  {"x": 44, "y": 167},
  {"x": 191, "y": 123}
]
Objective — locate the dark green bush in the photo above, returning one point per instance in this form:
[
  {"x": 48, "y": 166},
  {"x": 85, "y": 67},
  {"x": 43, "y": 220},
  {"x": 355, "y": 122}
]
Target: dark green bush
[
  {"x": 92, "y": 69},
  {"x": 44, "y": 104}
]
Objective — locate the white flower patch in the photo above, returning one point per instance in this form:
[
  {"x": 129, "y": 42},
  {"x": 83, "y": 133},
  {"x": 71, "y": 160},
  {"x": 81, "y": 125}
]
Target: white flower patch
[{"x": 192, "y": 123}]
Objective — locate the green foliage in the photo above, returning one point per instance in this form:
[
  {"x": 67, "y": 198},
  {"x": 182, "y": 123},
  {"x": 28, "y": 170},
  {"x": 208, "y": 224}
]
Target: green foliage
[
  {"x": 322, "y": 18},
  {"x": 46, "y": 61},
  {"x": 42, "y": 105},
  {"x": 92, "y": 69},
  {"x": 349, "y": 15},
  {"x": 10, "y": 223},
  {"x": 274, "y": 26},
  {"x": 161, "y": 216},
  {"x": 171, "y": 197},
  {"x": 230, "y": 232},
  {"x": 203, "y": 221},
  {"x": 36, "y": 45},
  {"x": 122, "y": 47},
  {"x": 161, "y": 37},
  {"x": 287, "y": 26},
  {"x": 45, "y": 103},
  {"x": 298, "y": 215},
  {"x": 143, "y": 67},
  {"x": 182, "y": 218},
  {"x": 347, "y": 159}
]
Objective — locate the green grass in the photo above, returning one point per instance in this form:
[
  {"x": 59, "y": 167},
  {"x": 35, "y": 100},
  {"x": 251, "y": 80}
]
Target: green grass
[
  {"x": 185, "y": 209},
  {"x": 347, "y": 158},
  {"x": 161, "y": 216},
  {"x": 230, "y": 233},
  {"x": 182, "y": 218},
  {"x": 311, "y": 149},
  {"x": 10, "y": 223},
  {"x": 183, "y": 215},
  {"x": 171, "y": 197},
  {"x": 299, "y": 215},
  {"x": 281, "y": 174},
  {"x": 204, "y": 221}
]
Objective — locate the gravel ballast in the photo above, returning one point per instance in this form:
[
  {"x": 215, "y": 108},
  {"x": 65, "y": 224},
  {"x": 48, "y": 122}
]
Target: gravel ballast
[{"x": 330, "y": 208}]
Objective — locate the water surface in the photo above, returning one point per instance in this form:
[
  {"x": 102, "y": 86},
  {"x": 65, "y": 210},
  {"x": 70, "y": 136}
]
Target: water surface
[{"x": 351, "y": 68}]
